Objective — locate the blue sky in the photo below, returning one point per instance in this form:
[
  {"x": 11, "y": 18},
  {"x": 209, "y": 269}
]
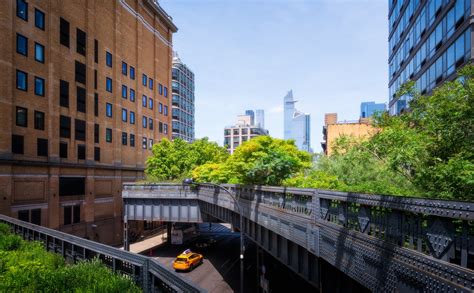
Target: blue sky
[{"x": 247, "y": 54}]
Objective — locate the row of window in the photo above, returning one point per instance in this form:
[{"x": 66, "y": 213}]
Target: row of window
[
  {"x": 444, "y": 66},
  {"x": 22, "y": 118},
  {"x": 184, "y": 76},
  {"x": 22, "y": 48},
  {"x": 183, "y": 104},
  {"x": 22, "y": 12},
  {"x": 22, "y": 83},
  {"x": 183, "y": 91},
  {"x": 443, "y": 31},
  {"x": 126, "y": 138},
  {"x": 185, "y": 130}
]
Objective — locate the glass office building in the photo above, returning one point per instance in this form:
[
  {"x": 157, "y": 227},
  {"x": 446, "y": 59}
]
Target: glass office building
[
  {"x": 183, "y": 100},
  {"x": 429, "y": 40}
]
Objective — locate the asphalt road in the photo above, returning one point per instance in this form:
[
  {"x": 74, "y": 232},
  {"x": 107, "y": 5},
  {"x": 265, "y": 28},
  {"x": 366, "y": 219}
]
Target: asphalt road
[{"x": 220, "y": 271}]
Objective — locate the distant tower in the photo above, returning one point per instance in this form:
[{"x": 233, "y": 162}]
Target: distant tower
[
  {"x": 260, "y": 118},
  {"x": 368, "y": 109},
  {"x": 297, "y": 124},
  {"x": 251, "y": 113}
]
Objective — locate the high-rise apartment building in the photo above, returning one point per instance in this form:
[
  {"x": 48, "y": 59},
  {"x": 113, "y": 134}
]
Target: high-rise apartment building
[
  {"x": 260, "y": 118},
  {"x": 429, "y": 40},
  {"x": 297, "y": 124},
  {"x": 183, "y": 100},
  {"x": 83, "y": 85},
  {"x": 368, "y": 109},
  {"x": 242, "y": 131}
]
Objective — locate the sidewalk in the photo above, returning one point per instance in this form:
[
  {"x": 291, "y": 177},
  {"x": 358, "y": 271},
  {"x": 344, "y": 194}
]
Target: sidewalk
[{"x": 147, "y": 244}]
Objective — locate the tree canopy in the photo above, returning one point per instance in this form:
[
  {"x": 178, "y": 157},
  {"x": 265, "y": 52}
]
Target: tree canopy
[{"x": 172, "y": 160}]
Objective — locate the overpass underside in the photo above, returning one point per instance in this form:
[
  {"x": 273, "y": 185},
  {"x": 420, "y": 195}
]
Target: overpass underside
[{"x": 382, "y": 243}]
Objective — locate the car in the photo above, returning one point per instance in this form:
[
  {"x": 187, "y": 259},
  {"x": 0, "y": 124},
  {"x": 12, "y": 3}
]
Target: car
[{"x": 187, "y": 260}]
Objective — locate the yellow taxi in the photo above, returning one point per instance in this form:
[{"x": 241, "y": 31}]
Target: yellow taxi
[{"x": 187, "y": 260}]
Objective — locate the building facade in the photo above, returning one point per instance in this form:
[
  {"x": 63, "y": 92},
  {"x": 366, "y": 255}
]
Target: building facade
[
  {"x": 260, "y": 118},
  {"x": 333, "y": 129},
  {"x": 296, "y": 124},
  {"x": 242, "y": 131},
  {"x": 79, "y": 105},
  {"x": 251, "y": 113},
  {"x": 429, "y": 40},
  {"x": 183, "y": 101},
  {"x": 368, "y": 109}
]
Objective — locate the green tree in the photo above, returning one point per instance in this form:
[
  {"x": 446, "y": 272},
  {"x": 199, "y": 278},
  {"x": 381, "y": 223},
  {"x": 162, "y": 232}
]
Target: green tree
[
  {"x": 261, "y": 161},
  {"x": 172, "y": 160}
]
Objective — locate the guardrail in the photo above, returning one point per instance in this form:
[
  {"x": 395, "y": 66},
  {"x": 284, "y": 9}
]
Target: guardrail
[{"x": 148, "y": 273}]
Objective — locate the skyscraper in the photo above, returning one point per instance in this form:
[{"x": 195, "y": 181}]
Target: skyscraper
[
  {"x": 78, "y": 78},
  {"x": 260, "y": 118},
  {"x": 428, "y": 42},
  {"x": 183, "y": 100},
  {"x": 296, "y": 124},
  {"x": 367, "y": 109}
]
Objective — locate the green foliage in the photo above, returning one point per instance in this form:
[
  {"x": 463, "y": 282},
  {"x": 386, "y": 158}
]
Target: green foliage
[
  {"x": 427, "y": 151},
  {"x": 174, "y": 160},
  {"x": 261, "y": 161},
  {"x": 29, "y": 268}
]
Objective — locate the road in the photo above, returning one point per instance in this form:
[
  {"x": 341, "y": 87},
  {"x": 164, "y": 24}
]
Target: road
[{"x": 220, "y": 271}]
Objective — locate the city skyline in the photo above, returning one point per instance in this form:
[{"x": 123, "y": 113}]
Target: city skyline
[{"x": 246, "y": 36}]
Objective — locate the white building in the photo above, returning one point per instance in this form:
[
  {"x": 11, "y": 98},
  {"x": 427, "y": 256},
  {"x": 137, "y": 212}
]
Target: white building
[{"x": 242, "y": 131}]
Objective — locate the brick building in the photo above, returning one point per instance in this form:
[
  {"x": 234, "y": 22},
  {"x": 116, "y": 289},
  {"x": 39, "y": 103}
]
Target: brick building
[{"x": 84, "y": 95}]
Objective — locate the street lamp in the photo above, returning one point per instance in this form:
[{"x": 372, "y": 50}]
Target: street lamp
[{"x": 190, "y": 181}]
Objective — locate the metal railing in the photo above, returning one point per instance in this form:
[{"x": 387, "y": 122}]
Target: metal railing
[{"x": 148, "y": 273}]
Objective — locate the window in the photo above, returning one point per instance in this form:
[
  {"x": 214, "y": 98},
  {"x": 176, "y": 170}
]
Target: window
[
  {"x": 81, "y": 152},
  {"x": 165, "y": 128},
  {"x": 81, "y": 42},
  {"x": 150, "y": 103},
  {"x": 166, "y": 92},
  {"x": 65, "y": 126},
  {"x": 124, "y": 91},
  {"x": 144, "y": 143},
  {"x": 64, "y": 93},
  {"x": 108, "y": 59},
  {"x": 96, "y": 133},
  {"x": 39, "y": 120},
  {"x": 95, "y": 79},
  {"x": 160, "y": 107},
  {"x": 108, "y": 84},
  {"x": 22, "y": 9},
  {"x": 81, "y": 99},
  {"x": 124, "y": 68},
  {"x": 80, "y": 130},
  {"x": 42, "y": 147},
  {"x": 144, "y": 101},
  {"x": 39, "y": 86},
  {"x": 36, "y": 216},
  {"x": 160, "y": 89},
  {"x": 124, "y": 138},
  {"x": 150, "y": 83},
  {"x": 21, "y": 45},
  {"x": 64, "y": 32},
  {"x": 124, "y": 115},
  {"x": 132, "y": 95},
  {"x": 17, "y": 144},
  {"x": 80, "y": 72},
  {"x": 63, "y": 150},
  {"x": 72, "y": 186},
  {"x": 21, "y": 80},
  {"x": 39, "y": 19},
  {"x": 150, "y": 143},
  {"x": 144, "y": 79},
  {"x": 39, "y": 52},
  {"x": 21, "y": 117},
  {"x": 166, "y": 111},
  {"x": 108, "y": 135},
  {"x": 150, "y": 123},
  {"x": 132, "y": 117},
  {"x": 160, "y": 127},
  {"x": 96, "y": 51},
  {"x": 132, "y": 140},
  {"x": 96, "y": 154},
  {"x": 72, "y": 214},
  {"x": 144, "y": 121},
  {"x": 132, "y": 72},
  {"x": 108, "y": 110},
  {"x": 96, "y": 104}
]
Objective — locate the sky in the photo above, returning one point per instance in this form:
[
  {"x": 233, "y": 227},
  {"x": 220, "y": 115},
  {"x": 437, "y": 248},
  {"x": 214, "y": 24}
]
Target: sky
[{"x": 247, "y": 54}]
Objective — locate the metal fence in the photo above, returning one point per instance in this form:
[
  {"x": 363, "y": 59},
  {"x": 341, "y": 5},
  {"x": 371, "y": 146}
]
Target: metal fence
[{"x": 148, "y": 273}]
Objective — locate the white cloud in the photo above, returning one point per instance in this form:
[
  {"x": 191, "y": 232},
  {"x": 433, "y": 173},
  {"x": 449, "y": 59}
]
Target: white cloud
[{"x": 276, "y": 109}]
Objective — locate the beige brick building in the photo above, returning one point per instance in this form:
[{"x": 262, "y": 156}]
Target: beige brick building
[
  {"x": 334, "y": 129},
  {"x": 84, "y": 95}
]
